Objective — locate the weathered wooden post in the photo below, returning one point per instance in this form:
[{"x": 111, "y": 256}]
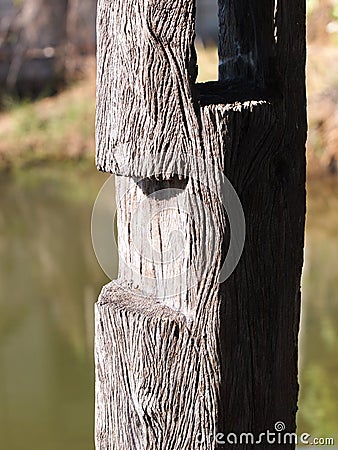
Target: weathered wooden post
[{"x": 180, "y": 355}]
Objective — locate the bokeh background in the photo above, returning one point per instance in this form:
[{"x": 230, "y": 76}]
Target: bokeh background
[{"x": 49, "y": 277}]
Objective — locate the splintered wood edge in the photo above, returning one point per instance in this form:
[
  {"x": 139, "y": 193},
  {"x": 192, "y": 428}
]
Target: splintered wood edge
[{"x": 116, "y": 296}]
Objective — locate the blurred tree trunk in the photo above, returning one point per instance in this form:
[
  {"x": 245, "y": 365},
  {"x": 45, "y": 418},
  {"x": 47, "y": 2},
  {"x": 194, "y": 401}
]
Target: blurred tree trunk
[
  {"x": 42, "y": 41},
  {"x": 43, "y": 23},
  {"x": 81, "y": 25},
  {"x": 38, "y": 57},
  {"x": 81, "y": 33}
]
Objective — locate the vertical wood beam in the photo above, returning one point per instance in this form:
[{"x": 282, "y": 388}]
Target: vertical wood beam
[{"x": 181, "y": 356}]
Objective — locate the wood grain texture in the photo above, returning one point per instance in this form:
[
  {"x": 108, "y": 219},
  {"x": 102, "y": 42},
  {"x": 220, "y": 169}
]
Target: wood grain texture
[
  {"x": 146, "y": 64},
  {"x": 246, "y": 41},
  {"x": 178, "y": 355}
]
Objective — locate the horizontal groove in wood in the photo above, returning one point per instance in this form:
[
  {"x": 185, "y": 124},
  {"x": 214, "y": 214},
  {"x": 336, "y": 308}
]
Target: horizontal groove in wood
[{"x": 222, "y": 93}]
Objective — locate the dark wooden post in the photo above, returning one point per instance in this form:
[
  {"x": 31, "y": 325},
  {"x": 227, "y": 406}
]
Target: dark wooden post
[{"x": 181, "y": 354}]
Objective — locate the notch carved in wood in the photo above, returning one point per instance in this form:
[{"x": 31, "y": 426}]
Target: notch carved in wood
[
  {"x": 148, "y": 107},
  {"x": 162, "y": 188}
]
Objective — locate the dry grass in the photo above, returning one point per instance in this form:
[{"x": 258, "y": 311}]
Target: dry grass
[{"x": 55, "y": 128}]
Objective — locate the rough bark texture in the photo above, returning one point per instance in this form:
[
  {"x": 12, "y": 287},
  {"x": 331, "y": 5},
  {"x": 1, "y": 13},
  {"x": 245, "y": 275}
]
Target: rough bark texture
[
  {"x": 146, "y": 67},
  {"x": 180, "y": 357}
]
